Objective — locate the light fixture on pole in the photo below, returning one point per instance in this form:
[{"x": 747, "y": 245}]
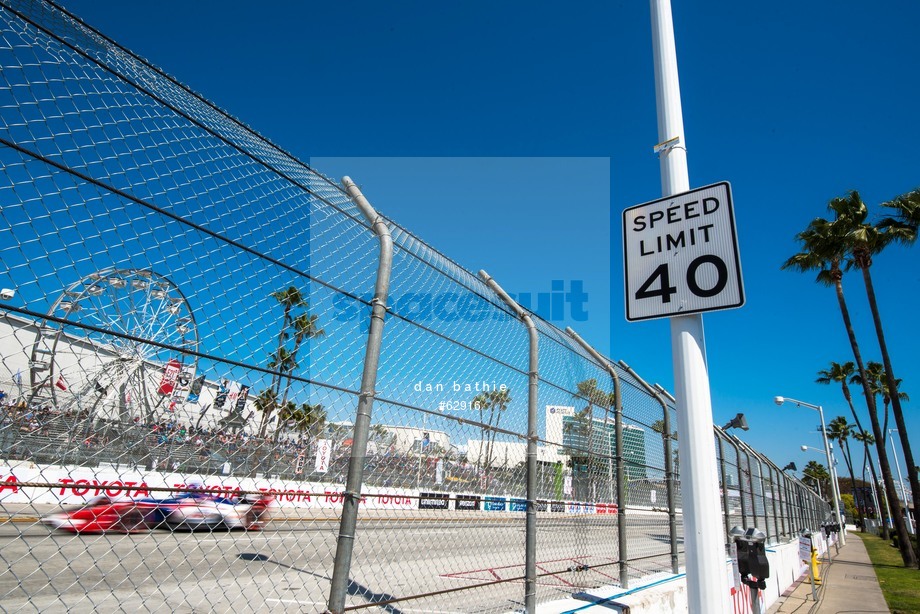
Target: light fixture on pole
[
  {"x": 835, "y": 487},
  {"x": 738, "y": 422}
]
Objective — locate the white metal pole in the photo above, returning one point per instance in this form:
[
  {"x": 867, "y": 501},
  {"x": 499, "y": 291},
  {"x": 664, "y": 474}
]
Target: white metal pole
[
  {"x": 889, "y": 521},
  {"x": 835, "y": 493},
  {"x": 878, "y": 509},
  {"x": 897, "y": 464},
  {"x": 707, "y": 580}
]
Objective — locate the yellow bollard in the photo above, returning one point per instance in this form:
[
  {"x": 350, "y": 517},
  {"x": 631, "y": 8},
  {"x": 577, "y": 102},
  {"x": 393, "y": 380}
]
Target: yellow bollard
[{"x": 815, "y": 575}]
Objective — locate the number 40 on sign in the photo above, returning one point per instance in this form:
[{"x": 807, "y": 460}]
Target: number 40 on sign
[{"x": 680, "y": 255}]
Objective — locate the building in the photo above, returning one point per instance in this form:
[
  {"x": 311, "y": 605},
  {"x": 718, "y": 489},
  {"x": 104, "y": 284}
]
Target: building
[{"x": 570, "y": 433}]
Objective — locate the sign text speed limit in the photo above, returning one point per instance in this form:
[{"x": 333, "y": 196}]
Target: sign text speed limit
[{"x": 681, "y": 255}]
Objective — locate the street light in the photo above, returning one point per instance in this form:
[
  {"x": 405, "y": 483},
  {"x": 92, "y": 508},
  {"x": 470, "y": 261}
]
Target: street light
[
  {"x": 897, "y": 464},
  {"x": 738, "y": 422},
  {"x": 835, "y": 487}
]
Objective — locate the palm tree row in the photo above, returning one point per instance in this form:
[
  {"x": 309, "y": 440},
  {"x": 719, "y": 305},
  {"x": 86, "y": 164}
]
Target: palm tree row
[
  {"x": 850, "y": 241},
  {"x": 496, "y": 402}
]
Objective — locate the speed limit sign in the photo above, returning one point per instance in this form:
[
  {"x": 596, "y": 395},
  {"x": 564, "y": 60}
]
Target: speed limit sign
[{"x": 681, "y": 255}]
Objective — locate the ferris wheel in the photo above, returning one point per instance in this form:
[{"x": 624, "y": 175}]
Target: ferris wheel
[{"x": 119, "y": 344}]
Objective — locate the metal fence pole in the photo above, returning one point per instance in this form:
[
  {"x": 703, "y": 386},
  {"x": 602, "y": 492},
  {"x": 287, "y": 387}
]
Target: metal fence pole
[
  {"x": 764, "y": 481},
  {"x": 530, "y": 526},
  {"x": 622, "y": 544},
  {"x": 352, "y": 496},
  {"x": 778, "y": 493},
  {"x": 741, "y": 501},
  {"x": 723, "y": 476},
  {"x": 750, "y": 473},
  {"x": 763, "y": 495},
  {"x": 774, "y": 495},
  {"x": 668, "y": 463}
]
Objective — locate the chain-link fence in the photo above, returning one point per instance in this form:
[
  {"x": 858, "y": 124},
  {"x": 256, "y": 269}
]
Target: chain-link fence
[{"x": 227, "y": 383}]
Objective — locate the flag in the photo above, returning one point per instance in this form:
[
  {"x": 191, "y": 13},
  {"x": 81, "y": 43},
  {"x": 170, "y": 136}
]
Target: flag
[
  {"x": 60, "y": 383},
  {"x": 221, "y": 397},
  {"x": 170, "y": 373},
  {"x": 241, "y": 400},
  {"x": 18, "y": 378},
  {"x": 100, "y": 388},
  {"x": 127, "y": 397},
  {"x": 195, "y": 390}
]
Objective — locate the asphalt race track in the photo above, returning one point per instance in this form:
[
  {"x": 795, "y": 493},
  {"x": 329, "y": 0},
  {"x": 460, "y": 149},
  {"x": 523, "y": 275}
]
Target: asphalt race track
[{"x": 288, "y": 565}]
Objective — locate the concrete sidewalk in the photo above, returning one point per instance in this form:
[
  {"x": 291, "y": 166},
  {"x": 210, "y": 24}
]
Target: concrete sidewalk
[{"x": 849, "y": 584}]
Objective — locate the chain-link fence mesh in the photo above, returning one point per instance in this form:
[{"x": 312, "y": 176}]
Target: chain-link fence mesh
[{"x": 181, "y": 359}]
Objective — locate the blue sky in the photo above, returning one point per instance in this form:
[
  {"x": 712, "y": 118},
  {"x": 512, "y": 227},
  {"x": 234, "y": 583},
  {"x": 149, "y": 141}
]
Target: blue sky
[{"x": 441, "y": 112}]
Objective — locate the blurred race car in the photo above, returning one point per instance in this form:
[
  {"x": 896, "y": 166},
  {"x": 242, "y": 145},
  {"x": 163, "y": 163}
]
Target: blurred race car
[
  {"x": 200, "y": 510},
  {"x": 187, "y": 511},
  {"x": 105, "y": 514}
]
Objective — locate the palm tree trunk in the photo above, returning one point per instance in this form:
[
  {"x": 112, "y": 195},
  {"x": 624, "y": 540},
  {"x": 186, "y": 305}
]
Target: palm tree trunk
[
  {"x": 849, "y": 398},
  {"x": 298, "y": 340},
  {"x": 893, "y": 390},
  {"x": 904, "y": 545}
]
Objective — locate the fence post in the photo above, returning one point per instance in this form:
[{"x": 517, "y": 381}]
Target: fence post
[
  {"x": 774, "y": 494},
  {"x": 750, "y": 472},
  {"x": 763, "y": 498},
  {"x": 668, "y": 463},
  {"x": 723, "y": 476},
  {"x": 763, "y": 491},
  {"x": 622, "y": 544},
  {"x": 352, "y": 496},
  {"x": 530, "y": 526},
  {"x": 741, "y": 501}
]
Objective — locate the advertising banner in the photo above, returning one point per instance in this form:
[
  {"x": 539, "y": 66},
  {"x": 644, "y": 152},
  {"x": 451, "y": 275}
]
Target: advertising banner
[
  {"x": 323, "y": 455},
  {"x": 434, "y": 501},
  {"x": 170, "y": 373},
  {"x": 468, "y": 503}
]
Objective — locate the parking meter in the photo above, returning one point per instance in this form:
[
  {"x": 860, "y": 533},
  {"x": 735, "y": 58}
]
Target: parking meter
[{"x": 752, "y": 557}]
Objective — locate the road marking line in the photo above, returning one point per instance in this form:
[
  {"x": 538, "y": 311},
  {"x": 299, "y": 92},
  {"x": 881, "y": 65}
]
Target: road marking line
[{"x": 296, "y": 601}]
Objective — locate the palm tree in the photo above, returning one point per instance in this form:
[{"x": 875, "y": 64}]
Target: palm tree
[
  {"x": 841, "y": 373},
  {"x": 818, "y": 474},
  {"x": 865, "y": 240},
  {"x": 588, "y": 391},
  {"x": 283, "y": 360},
  {"x": 289, "y": 299},
  {"x": 907, "y": 215},
  {"x": 305, "y": 327},
  {"x": 658, "y": 427},
  {"x": 280, "y": 363},
  {"x": 839, "y": 429},
  {"x": 878, "y": 383},
  {"x": 496, "y": 402},
  {"x": 825, "y": 249},
  {"x": 867, "y": 439},
  {"x": 265, "y": 403},
  {"x": 303, "y": 418}
]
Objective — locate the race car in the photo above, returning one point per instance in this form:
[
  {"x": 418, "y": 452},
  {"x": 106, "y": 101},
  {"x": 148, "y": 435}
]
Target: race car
[
  {"x": 105, "y": 514},
  {"x": 200, "y": 510},
  {"x": 187, "y": 511}
]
